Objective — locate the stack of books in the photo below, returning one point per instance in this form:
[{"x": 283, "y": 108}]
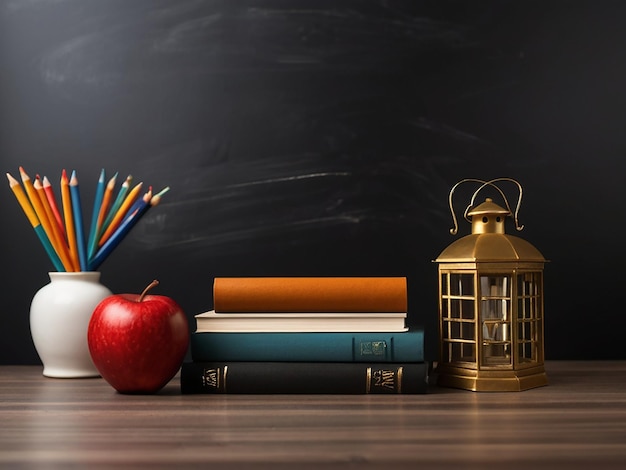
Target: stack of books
[{"x": 333, "y": 335}]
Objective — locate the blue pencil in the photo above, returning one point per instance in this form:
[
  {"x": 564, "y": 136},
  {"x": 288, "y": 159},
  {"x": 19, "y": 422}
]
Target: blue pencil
[
  {"x": 78, "y": 222},
  {"x": 93, "y": 232},
  {"x": 139, "y": 209},
  {"x": 43, "y": 238}
]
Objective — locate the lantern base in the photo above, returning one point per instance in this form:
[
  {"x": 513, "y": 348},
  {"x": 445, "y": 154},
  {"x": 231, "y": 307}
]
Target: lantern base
[{"x": 491, "y": 380}]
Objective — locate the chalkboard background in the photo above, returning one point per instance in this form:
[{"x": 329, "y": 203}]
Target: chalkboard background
[{"x": 312, "y": 137}]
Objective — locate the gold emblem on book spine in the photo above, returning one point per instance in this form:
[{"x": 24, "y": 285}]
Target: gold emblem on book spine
[
  {"x": 211, "y": 378},
  {"x": 384, "y": 380},
  {"x": 214, "y": 378},
  {"x": 373, "y": 348}
]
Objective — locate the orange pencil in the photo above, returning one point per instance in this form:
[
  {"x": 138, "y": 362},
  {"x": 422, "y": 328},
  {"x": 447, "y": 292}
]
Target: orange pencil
[
  {"x": 115, "y": 205},
  {"x": 59, "y": 241},
  {"x": 121, "y": 212},
  {"x": 47, "y": 187},
  {"x": 35, "y": 200},
  {"x": 22, "y": 199},
  {"x": 106, "y": 200},
  {"x": 69, "y": 220},
  {"x": 38, "y": 187},
  {"x": 104, "y": 207},
  {"x": 135, "y": 213}
]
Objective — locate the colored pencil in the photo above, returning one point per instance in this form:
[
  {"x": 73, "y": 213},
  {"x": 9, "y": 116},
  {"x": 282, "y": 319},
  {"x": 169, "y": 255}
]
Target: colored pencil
[
  {"x": 47, "y": 187},
  {"x": 106, "y": 202},
  {"x": 35, "y": 201},
  {"x": 66, "y": 200},
  {"x": 139, "y": 209},
  {"x": 157, "y": 197},
  {"x": 60, "y": 227},
  {"x": 116, "y": 203},
  {"x": 22, "y": 199},
  {"x": 78, "y": 222},
  {"x": 121, "y": 212},
  {"x": 97, "y": 204},
  {"x": 139, "y": 202},
  {"x": 59, "y": 240}
]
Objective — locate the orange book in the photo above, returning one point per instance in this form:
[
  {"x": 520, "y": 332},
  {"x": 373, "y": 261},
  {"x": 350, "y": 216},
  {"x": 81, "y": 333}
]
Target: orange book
[{"x": 310, "y": 294}]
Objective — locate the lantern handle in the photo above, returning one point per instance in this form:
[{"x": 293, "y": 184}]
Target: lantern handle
[
  {"x": 455, "y": 229},
  {"x": 518, "y": 227},
  {"x": 483, "y": 183}
]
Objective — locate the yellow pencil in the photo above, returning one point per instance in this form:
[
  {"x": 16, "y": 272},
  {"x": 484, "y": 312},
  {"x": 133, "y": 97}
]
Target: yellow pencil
[
  {"x": 69, "y": 220},
  {"x": 35, "y": 201},
  {"x": 34, "y": 221},
  {"x": 23, "y": 200},
  {"x": 121, "y": 212},
  {"x": 59, "y": 241}
]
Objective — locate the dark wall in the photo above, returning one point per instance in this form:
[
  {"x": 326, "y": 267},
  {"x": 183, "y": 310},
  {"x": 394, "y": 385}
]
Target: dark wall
[{"x": 321, "y": 138}]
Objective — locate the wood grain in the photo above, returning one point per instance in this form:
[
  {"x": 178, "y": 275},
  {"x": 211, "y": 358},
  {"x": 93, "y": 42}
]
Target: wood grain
[{"x": 578, "y": 421}]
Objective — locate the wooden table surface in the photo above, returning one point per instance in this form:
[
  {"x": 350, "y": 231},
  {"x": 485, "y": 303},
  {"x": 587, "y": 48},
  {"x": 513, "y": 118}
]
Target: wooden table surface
[{"x": 577, "y": 421}]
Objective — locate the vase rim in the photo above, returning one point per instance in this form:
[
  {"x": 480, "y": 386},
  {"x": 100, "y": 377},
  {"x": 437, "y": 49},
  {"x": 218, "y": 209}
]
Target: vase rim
[{"x": 76, "y": 274}]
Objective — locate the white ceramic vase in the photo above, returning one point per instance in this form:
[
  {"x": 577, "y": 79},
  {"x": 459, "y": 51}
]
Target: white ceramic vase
[{"x": 59, "y": 318}]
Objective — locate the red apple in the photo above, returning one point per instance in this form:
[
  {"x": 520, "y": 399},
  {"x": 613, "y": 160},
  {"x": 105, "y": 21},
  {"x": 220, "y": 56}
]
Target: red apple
[{"x": 138, "y": 342}]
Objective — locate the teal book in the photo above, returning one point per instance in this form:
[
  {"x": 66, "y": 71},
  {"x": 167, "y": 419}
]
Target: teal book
[{"x": 407, "y": 346}]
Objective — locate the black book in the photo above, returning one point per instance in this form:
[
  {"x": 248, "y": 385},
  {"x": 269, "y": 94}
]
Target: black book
[{"x": 303, "y": 377}]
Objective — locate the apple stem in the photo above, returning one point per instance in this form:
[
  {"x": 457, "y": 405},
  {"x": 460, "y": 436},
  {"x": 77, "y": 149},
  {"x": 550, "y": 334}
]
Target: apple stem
[{"x": 145, "y": 291}]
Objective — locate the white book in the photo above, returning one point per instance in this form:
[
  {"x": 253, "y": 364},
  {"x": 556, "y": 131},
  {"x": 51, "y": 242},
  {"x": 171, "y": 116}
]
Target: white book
[{"x": 304, "y": 322}]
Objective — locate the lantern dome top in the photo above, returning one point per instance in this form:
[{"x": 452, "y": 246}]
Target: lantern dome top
[
  {"x": 488, "y": 207},
  {"x": 490, "y": 247}
]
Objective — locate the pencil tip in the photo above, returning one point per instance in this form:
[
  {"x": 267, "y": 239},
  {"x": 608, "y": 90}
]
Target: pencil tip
[{"x": 163, "y": 191}]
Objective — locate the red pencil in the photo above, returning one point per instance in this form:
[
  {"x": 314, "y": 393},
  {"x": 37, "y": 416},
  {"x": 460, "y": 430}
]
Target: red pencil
[{"x": 47, "y": 187}]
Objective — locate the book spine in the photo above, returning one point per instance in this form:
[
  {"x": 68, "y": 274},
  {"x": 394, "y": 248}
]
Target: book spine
[
  {"x": 303, "y": 347},
  {"x": 310, "y": 294},
  {"x": 303, "y": 378}
]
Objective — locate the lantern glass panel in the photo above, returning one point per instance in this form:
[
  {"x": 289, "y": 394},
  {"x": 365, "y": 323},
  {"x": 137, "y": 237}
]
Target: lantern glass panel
[
  {"x": 460, "y": 309},
  {"x": 462, "y": 352},
  {"x": 458, "y": 315},
  {"x": 462, "y": 284},
  {"x": 529, "y": 316},
  {"x": 461, "y": 330},
  {"x": 495, "y": 311}
]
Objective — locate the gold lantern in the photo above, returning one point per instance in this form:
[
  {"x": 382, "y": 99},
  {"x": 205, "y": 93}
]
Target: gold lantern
[{"x": 490, "y": 301}]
